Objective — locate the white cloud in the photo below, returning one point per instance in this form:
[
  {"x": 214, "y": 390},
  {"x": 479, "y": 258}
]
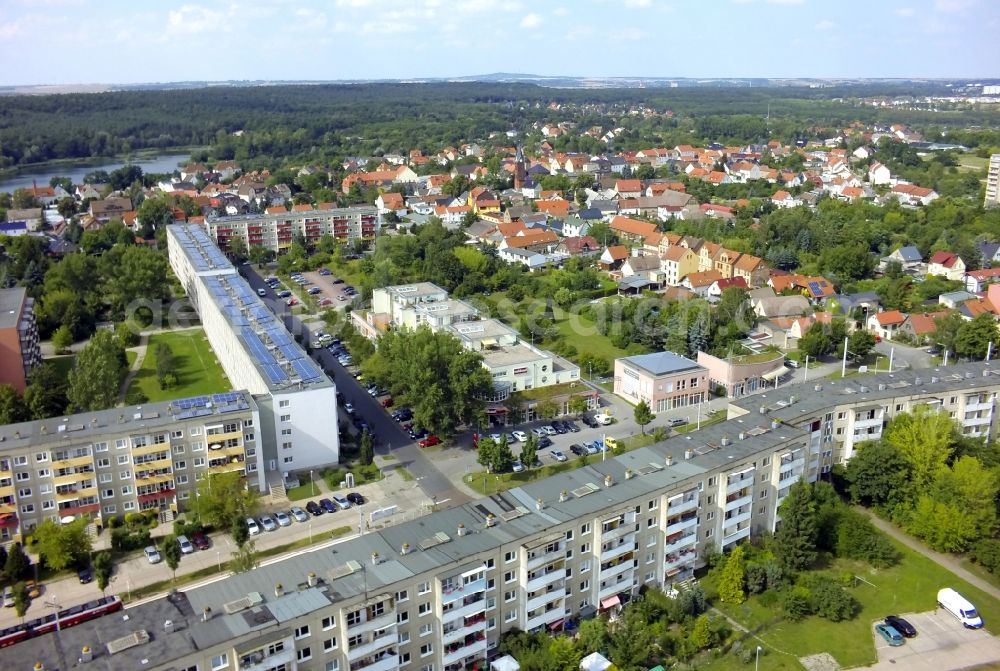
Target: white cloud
[
  {"x": 309, "y": 18},
  {"x": 9, "y": 29},
  {"x": 825, "y": 24},
  {"x": 952, "y": 6},
  {"x": 192, "y": 19},
  {"x": 905, "y": 12},
  {"x": 531, "y": 20},
  {"x": 560, "y": 11},
  {"x": 785, "y": 2},
  {"x": 635, "y": 4}
]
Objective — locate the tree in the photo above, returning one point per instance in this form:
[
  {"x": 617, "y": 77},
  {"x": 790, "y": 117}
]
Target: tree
[
  {"x": 172, "y": 554},
  {"x": 21, "y": 598},
  {"x": 17, "y": 564},
  {"x": 494, "y": 456},
  {"x": 546, "y": 409},
  {"x": 877, "y": 475},
  {"x": 974, "y": 337},
  {"x": 733, "y": 578},
  {"x": 367, "y": 455},
  {"x": 643, "y": 415},
  {"x": 860, "y": 343},
  {"x": 795, "y": 539},
  {"x": 63, "y": 545},
  {"x": 133, "y": 273},
  {"x": 223, "y": 497},
  {"x": 96, "y": 374},
  {"x": 62, "y": 339},
  {"x": 946, "y": 330},
  {"x": 578, "y": 405},
  {"x": 152, "y": 214},
  {"x": 239, "y": 531},
  {"x": 237, "y": 248},
  {"x": 702, "y": 635},
  {"x": 594, "y": 634},
  {"x": 815, "y": 342},
  {"x": 12, "y": 408},
  {"x": 244, "y": 557},
  {"x": 529, "y": 453},
  {"x": 925, "y": 439},
  {"x": 103, "y": 568}
]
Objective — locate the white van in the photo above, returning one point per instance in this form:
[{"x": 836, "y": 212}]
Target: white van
[{"x": 959, "y": 606}]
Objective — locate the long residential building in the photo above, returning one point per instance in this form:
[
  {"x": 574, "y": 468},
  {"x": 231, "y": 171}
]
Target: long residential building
[
  {"x": 436, "y": 593},
  {"x": 297, "y": 401},
  {"x": 112, "y": 462},
  {"x": 993, "y": 182},
  {"x": 19, "y": 350},
  {"x": 276, "y": 229}
]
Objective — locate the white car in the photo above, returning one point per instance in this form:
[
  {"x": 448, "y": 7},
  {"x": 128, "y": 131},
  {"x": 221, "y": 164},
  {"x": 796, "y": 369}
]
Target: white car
[
  {"x": 602, "y": 419},
  {"x": 518, "y": 467},
  {"x": 558, "y": 455},
  {"x": 496, "y": 437},
  {"x": 282, "y": 518},
  {"x": 186, "y": 547},
  {"x": 550, "y": 430},
  {"x": 252, "y": 527},
  {"x": 152, "y": 554},
  {"x": 520, "y": 435},
  {"x": 299, "y": 514}
]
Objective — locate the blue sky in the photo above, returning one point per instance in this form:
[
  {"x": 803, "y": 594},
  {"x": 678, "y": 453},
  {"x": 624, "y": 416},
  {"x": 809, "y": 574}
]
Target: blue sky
[{"x": 126, "y": 41}]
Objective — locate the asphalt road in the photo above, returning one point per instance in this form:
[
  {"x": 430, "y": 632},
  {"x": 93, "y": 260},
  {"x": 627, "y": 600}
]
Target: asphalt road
[{"x": 390, "y": 437}]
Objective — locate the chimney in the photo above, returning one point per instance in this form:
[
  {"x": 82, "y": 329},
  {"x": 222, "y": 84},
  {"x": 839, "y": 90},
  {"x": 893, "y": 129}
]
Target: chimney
[
  {"x": 742, "y": 435},
  {"x": 539, "y": 504},
  {"x": 39, "y": 666},
  {"x": 775, "y": 424},
  {"x": 168, "y": 626},
  {"x": 376, "y": 559},
  {"x": 279, "y": 589},
  {"x": 608, "y": 480},
  {"x": 563, "y": 495},
  {"x": 404, "y": 549},
  {"x": 311, "y": 579},
  {"x": 818, "y": 387},
  {"x": 934, "y": 379},
  {"x": 206, "y": 614},
  {"x": 670, "y": 460},
  {"x": 629, "y": 474},
  {"x": 461, "y": 529},
  {"x": 86, "y": 654},
  {"x": 491, "y": 520},
  {"x": 724, "y": 442},
  {"x": 688, "y": 453}
]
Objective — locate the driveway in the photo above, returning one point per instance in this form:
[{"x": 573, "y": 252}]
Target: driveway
[{"x": 942, "y": 643}]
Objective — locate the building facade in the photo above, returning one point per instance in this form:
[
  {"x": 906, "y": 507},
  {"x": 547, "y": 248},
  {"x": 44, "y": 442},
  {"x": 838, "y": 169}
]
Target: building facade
[
  {"x": 19, "y": 351},
  {"x": 112, "y": 462},
  {"x": 297, "y": 400},
  {"x": 663, "y": 380},
  {"x": 437, "y": 593},
  {"x": 277, "y": 230},
  {"x": 993, "y": 182}
]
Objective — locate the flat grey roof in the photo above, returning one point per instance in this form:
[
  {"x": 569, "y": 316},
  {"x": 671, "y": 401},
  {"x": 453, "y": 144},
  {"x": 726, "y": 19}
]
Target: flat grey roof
[
  {"x": 10, "y": 306},
  {"x": 661, "y": 363}
]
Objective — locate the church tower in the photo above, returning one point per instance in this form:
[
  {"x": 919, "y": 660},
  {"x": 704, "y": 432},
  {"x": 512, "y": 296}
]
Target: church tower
[{"x": 519, "y": 170}]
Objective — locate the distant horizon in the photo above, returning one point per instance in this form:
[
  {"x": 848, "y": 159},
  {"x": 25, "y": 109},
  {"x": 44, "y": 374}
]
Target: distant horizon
[{"x": 52, "y": 43}]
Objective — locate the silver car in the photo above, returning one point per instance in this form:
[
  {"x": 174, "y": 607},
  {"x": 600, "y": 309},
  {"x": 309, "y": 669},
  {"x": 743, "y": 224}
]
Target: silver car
[
  {"x": 283, "y": 519},
  {"x": 299, "y": 514},
  {"x": 268, "y": 523}
]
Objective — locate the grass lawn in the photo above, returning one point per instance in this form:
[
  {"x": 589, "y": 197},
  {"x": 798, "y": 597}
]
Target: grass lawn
[
  {"x": 63, "y": 364},
  {"x": 973, "y": 162},
  {"x": 196, "y": 368},
  {"x": 302, "y": 492},
  {"x": 910, "y": 586},
  {"x": 580, "y": 332}
]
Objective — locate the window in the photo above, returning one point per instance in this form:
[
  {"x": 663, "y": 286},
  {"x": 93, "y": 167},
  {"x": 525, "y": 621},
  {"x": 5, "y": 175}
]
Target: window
[
  {"x": 429, "y": 667},
  {"x": 763, "y": 494},
  {"x": 423, "y": 588},
  {"x": 510, "y": 616},
  {"x": 404, "y": 658},
  {"x": 287, "y": 460},
  {"x": 193, "y": 667},
  {"x": 585, "y": 566},
  {"x": 491, "y": 603},
  {"x": 423, "y": 609},
  {"x": 709, "y": 533},
  {"x": 491, "y": 623},
  {"x": 508, "y": 576},
  {"x": 403, "y": 616},
  {"x": 651, "y": 522},
  {"x": 23, "y": 475},
  {"x": 653, "y": 505},
  {"x": 286, "y": 432},
  {"x": 490, "y": 563},
  {"x": 585, "y": 529},
  {"x": 180, "y": 465},
  {"x": 24, "y": 492},
  {"x": 122, "y": 459},
  {"x": 286, "y": 418},
  {"x": 330, "y": 644},
  {"x": 21, "y": 460},
  {"x": 509, "y": 596},
  {"x": 650, "y": 557},
  {"x": 569, "y": 535},
  {"x": 329, "y": 622},
  {"x": 41, "y": 457},
  {"x": 283, "y": 404},
  {"x": 404, "y": 637},
  {"x": 585, "y": 548},
  {"x": 333, "y": 665},
  {"x": 302, "y": 632},
  {"x": 48, "y": 505},
  {"x": 104, "y": 463},
  {"x": 287, "y": 445},
  {"x": 124, "y": 475},
  {"x": 182, "y": 479},
  {"x": 508, "y": 557},
  {"x": 44, "y": 472},
  {"x": 303, "y": 654},
  {"x": 426, "y": 629},
  {"x": 199, "y": 462},
  {"x": 179, "y": 449},
  {"x": 197, "y": 446},
  {"x": 650, "y": 577},
  {"x": 584, "y": 585},
  {"x": 110, "y": 510},
  {"x": 401, "y": 596},
  {"x": 108, "y": 494},
  {"x": 129, "y": 505},
  {"x": 353, "y": 618},
  {"x": 355, "y": 641},
  {"x": 220, "y": 661},
  {"x": 426, "y": 649},
  {"x": 100, "y": 447},
  {"x": 710, "y": 515},
  {"x": 28, "y": 508}
]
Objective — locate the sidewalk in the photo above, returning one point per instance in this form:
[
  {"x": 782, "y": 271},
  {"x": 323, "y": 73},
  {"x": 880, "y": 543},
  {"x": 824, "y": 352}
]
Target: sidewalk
[{"x": 943, "y": 560}]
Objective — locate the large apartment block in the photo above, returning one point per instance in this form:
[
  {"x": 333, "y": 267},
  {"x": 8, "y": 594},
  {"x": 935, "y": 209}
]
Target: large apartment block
[
  {"x": 993, "y": 182},
  {"x": 19, "y": 351},
  {"x": 112, "y": 462},
  {"x": 297, "y": 400},
  {"x": 276, "y": 230},
  {"x": 436, "y": 593}
]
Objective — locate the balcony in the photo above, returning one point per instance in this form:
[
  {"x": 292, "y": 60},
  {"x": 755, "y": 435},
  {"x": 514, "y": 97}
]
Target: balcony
[
  {"x": 477, "y": 625},
  {"x": 736, "y": 536},
  {"x": 682, "y": 504},
  {"x": 977, "y": 421},
  {"x": 73, "y": 462},
  {"x": 735, "y": 519},
  {"x": 236, "y": 451},
  {"x": 545, "y": 598},
  {"x": 672, "y": 561},
  {"x": 70, "y": 479},
  {"x": 545, "y": 558},
  {"x": 678, "y": 543},
  {"x": 617, "y": 551},
  {"x": 792, "y": 464},
  {"x": 617, "y": 569},
  {"x": 153, "y": 464},
  {"x": 681, "y": 525},
  {"x": 542, "y": 580},
  {"x": 151, "y": 448},
  {"x": 153, "y": 478},
  {"x": 545, "y": 619},
  {"x": 8, "y": 508},
  {"x": 735, "y": 484},
  {"x": 235, "y": 464},
  {"x": 383, "y": 621},
  {"x": 221, "y": 438},
  {"x": 977, "y": 406},
  {"x": 387, "y": 662},
  {"x": 388, "y": 639},
  {"x": 473, "y": 606},
  {"x": 617, "y": 588},
  {"x": 258, "y": 661},
  {"x": 73, "y": 494},
  {"x": 475, "y": 644},
  {"x": 622, "y": 530},
  {"x": 462, "y": 591}
]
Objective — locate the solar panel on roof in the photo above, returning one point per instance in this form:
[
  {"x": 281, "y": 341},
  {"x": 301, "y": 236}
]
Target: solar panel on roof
[
  {"x": 194, "y": 412},
  {"x": 227, "y": 397},
  {"x": 305, "y": 370},
  {"x": 290, "y": 352},
  {"x": 275, "y": 374}
]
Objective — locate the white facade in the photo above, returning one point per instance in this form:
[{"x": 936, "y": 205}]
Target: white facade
[{"x": 276, "y": 231}]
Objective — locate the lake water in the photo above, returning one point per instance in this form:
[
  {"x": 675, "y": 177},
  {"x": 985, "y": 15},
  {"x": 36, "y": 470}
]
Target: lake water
[{"x": 164, "y": 163}]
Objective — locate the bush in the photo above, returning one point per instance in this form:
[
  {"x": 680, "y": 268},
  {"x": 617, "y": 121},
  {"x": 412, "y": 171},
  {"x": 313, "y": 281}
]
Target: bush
[
  {"x": 986, "y": 553},
  {"x": 188, "y": 527},
  {"x": 123, "y": 540},
  {"x": 797, "y": 603},
  {"x": 857, "y": 538},
  {"x": 831, "y": 601}
]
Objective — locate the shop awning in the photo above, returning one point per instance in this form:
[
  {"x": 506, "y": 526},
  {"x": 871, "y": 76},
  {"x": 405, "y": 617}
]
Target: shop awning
[
  {"x": 772, "y": 375},
  {"x": 610, "y": 602},
  {"x": 554, "y": 626}
]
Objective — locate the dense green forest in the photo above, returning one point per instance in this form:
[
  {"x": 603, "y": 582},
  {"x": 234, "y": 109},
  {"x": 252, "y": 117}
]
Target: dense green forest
[{"x": 331, "y": 121}]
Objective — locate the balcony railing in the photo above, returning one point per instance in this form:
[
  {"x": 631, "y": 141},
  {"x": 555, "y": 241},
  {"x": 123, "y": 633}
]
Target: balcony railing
[
  {"x": 461, "y": 591},
  {"x": 739, "y": 502},
  {"x": 472, "y": 606},
  {"x": 682, "y": 504},
  {"x": 681, "y": 524},
  {"x": 736, "y": 536},
  {"x": 680, "y": 541},
  {"x": 388, "y": 639},
  {"x": 545, "y": 579},
  {"x": 544, "y": 598},
  {"x": 474, "y": 644}
]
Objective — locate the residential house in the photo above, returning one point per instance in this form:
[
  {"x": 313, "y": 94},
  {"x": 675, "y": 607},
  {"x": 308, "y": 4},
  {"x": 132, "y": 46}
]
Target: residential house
[
  {"x": 783, "y": 199},
  {"x": 582, "y": 245},
  {"x": 976, "y": 281},
  {"x": 989, "y": 252},
  {"x": 109, "y": 208},
  {"x": 908, "y": 257},
  {"x": 700, "y": 282},
  {"x": 632, "y": 230},
  {"x": 677, "y": 262},
  {"x": 32, "y": 218},
  {"x": 752, "y": 269},
  {"x": 558, "y": 208},
  {"x": 885, "y": 324},
  {"x": 533, "y": 260},
  {"x": 946, "y": 264},
  {"x": 534, "y": 239},
  {"x": 391, "y": 202},
  {"x": 975, "y": 307},
  {"x": 647, "y": 267},
  {"x": 953, "y": 299},
  {"x": 613, "y": 257},
  {"x": 664, "y": 380},
  {"x": 715, "y": 290},
  {"x": 574, "y": 226},
  {"x": 452, "y": 215},
  {"x": 879, "y": 174},
  {"x": 919, "y": 328},
  {"x": 781, "y": 306},
  {"x": 911, "y": 194}
]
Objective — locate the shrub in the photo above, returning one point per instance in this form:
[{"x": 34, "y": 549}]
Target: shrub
[
  {"x": 986, "y": 553},
  {"x": 123, "y": 540},
  {"x": 188, "y": 527},
  {"x": 857, "y": 538},
  {"x": 831, "y": 601},
  {"x": 756, "y": 578},
  {"x": 797, "y": 603}
]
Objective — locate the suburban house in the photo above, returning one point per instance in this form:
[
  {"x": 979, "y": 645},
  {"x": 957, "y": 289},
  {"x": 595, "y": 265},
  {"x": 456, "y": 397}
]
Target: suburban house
[
  {"x": 718, "y": 286},
  {"x": 885, "y": 324},
  {"x": 953, "y": 299},
  {"x": 677, "y": 262},
  {"x": 752, "y": 269},
  {"x": 976, "y": 281},
  {"x": 647, "y": 267},
  {"x": 879, "y": 174},
  {"x": 534, "y": 239},
  {"x": 109, "y": 208},
  {"x": 911, "y": 194},
  {"x": 579, "y": 245},
  {"x": 613, "y": 257},
  {"x": 391, "y": 202},
  {"x": 701, "y": 282},
  {"x": 573, "y": 226},
  {"x": 784, "y": 199},
  {"x": 920, "y": 328},
  {"x": 628, "y": 188},
  {"x": 908, "y": 257},
  {"x": 781, "y": 306},
  {"x": 533, "y": 260},
  {"x": 946, "y": 264},
  {"x": 663, "y": 380},
  {"x": 632, "y": 230}
]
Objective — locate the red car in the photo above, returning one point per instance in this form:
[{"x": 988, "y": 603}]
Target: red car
[
  {"x": 429, "y": 441},
  {"x": 200, "y": 541},
  {"x": 387, "y": 402}
]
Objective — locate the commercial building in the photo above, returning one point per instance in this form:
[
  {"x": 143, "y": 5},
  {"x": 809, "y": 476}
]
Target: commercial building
[
  {"x": 436, "y": 593},
  {"x": 277, "y": 229},
  {"x": 19, "y": 351},
  {"x": 993, "y": 182},
  {"x": 663, "y": 380},
  {"x": 112, "y": 462},
  {"x": 297, "y": 401}
]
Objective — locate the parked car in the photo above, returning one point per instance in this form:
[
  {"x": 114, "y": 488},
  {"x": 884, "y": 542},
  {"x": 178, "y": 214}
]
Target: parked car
[
  {"x": 282, "y": 518},
  {"x": 152, "y": 554},
  {"x": 544, "y": 442},
  {"x": 418, "y": 434},
  {"x": 299, "y": 514},
  {"x": 560, "y": 427},
  {"x": 611, "y": 443},
  {"x": 429, "y": 441},
  {"x": 342, "y": 501},
  {"x": 538, "y": 431},
  {"x": 284, "y": 293},
  {"x": 252, "y": 526},
  {"x": 291, "y": 301},
  {"x": 314, "y": 290},
  {"x": 8, "y": 597},
  {"x": 602, "y": 419},
  {"x": 891, "y": 636},
  {"x": 591, "y": 447},
  {"x": 558, "y": 455},
  {"x": 324, "y": 271},
  {"x": 901, "y": 625},
  {"x": 792, "y": 363},
  {"x": 519, "y": 436},
  {"x": 186, "y": 546},
  {"x": 590, "y": 421},
  {"x": 314, "y": 509},
  {"x": 34, "y": 588},
  {"x": 200, "y": 540},
  {"x": 356, "y": 498},
  {"x": 86, "y": 575},
  {"x": 960, "y": 607},
  {"x": 578, "y": 450},
  {"x": 517, "y": 466},
  {"x": 571, "y": 425},
  {"x": 268, "y": 523},
  {"x": 677, "y": 421},
  {"x": 387, "y": 402},
  {"x": 328, "y": 505},
  {"x": 549, "y": 430}
]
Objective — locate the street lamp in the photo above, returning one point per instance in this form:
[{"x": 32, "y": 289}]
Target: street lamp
[
  {"x": 218, "y": 558},
  {"x": 756, "y": 659},
  {"x": 312, "y": 482}
]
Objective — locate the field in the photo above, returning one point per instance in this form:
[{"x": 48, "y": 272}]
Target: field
[
  {"x": 197, "y": 370},
  {"x": 910, "y": 586}
]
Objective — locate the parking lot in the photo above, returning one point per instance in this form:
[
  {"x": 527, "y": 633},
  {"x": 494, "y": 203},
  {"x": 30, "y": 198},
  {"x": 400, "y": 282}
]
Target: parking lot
[
  {"x": 332, "y": 292},
  {"x": 942, "y": 643}
]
